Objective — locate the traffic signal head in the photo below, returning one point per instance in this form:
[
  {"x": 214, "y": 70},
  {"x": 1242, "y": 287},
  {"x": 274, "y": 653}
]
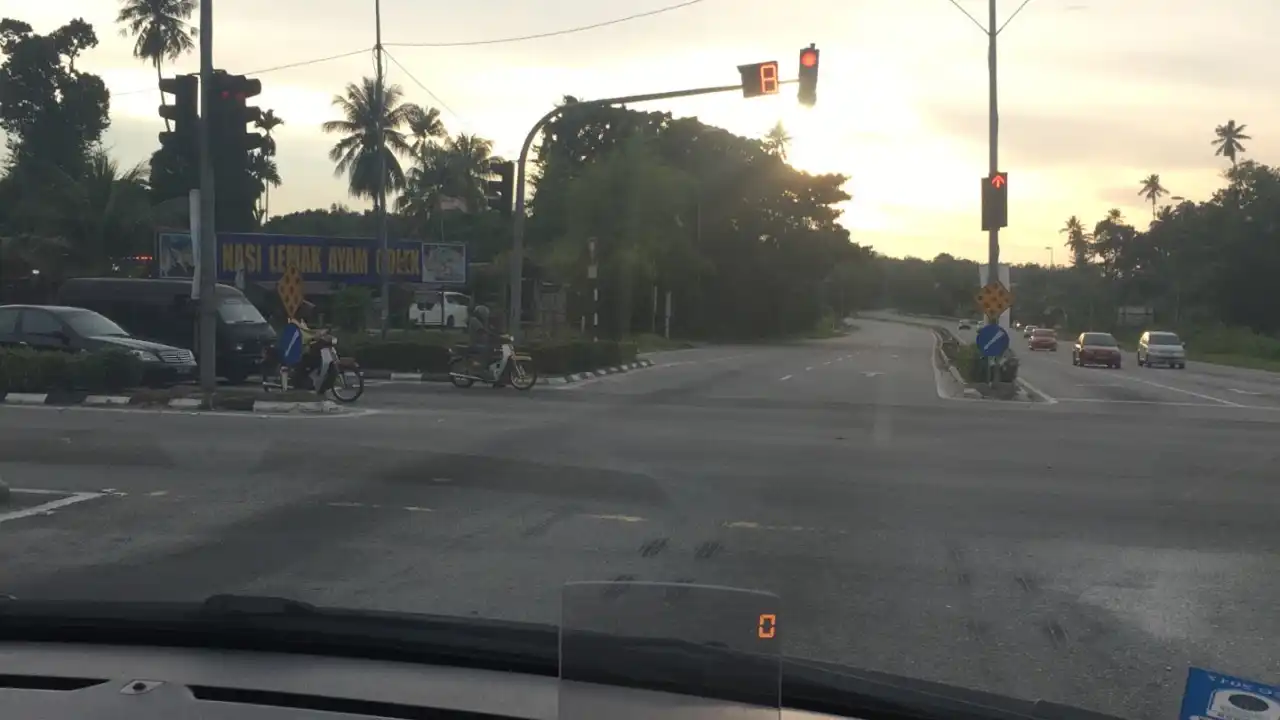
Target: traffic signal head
[
  {"x": 995, "y": 201},
  {"x": 184, "y": 114},
  {"x": 232, "y": 114},
  {"x": 500, "y": 190},
  {"x": 809, "y": 76},
  {"x": 759, "y": 79}
]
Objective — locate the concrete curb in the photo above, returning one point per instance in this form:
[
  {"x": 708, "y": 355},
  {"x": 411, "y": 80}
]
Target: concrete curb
[
  {"x": 551, "y": 380},
  {"x": 140, "y": 402}
]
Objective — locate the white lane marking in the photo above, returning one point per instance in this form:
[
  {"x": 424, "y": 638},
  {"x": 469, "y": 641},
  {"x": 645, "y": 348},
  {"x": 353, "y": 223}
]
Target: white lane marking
[
  {"x": 46, "y": 508},
  {"x": 786, "y": 377},
  {"x": 1105, "y": 401},
  {"x": 808, "y": 369},
  {"x": 1244, "y": 392},
  {"x": 747, "y": 525},
  {"x": 618, "y": 518},
  {"x": 158, "y": 493},
  {"x": 1171, "y": 388},
  {"x": 872, "y": 374}
]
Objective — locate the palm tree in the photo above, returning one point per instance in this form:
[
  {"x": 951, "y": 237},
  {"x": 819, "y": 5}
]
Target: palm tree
[
  {"x": 102, "y": 215},
  {"x": 264, "y": 169},
  {"x": 160, "y": 29},
  {"x": 1227, "y": 140},
  {"x": 456, "y": 168},
  {"x": 1152, "y": 190},
  {"x": 266, "y": 175},
  {"x": 425, "y": 127},
  {"x": 356, "y": 154},
  {"x": 1077, "y": 241},
  {"x": 776, "y": 141},
  {"x": 267, "y": 122}
]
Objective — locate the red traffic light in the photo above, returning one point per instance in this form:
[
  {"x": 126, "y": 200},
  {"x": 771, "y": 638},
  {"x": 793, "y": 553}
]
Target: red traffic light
[
  {"x": 999, "y": 180},
  {"x": 809, "y": 58}
]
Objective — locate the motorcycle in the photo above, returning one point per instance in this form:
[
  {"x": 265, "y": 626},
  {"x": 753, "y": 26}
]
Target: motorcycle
[
  {"x": 336, "y": 375},
  {"x": 507, "y": 367}
]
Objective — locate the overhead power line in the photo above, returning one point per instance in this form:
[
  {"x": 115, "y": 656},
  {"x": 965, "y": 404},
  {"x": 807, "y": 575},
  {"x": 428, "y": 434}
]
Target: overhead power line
[
  {"x": 553, "y": 33},
  {"x": 425, "y": 89},
  {"x": 301, "y": 63}
]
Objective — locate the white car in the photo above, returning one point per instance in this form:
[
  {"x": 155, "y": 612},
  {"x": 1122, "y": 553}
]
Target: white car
[
  {"x": 964, "y": 325},
  {"x": 1162, "y": 348},
  {"x": 429, "y": 310}
]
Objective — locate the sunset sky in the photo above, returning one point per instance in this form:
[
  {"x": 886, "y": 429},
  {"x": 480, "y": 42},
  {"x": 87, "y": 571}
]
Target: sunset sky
[{"x": 1094, "y": 94}]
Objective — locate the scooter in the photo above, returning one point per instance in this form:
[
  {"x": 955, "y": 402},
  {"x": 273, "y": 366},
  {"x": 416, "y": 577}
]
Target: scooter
[
  {"x": 338, "y": 376},
  {"x": 507, "y": 367}
]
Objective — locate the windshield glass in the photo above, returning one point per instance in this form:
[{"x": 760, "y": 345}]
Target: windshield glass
[
  {"x": 236, "y": 310},
  {"x": 1098, "y": 339},
  {"x": 727, "y": 337},
  {"x": 1163, "y": 339},
  {"x": 90, "y": 324}
]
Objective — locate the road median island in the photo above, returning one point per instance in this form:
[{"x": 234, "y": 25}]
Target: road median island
[
  {"x": 181, "y": 397},
  {"x": 423, "y": 356}
]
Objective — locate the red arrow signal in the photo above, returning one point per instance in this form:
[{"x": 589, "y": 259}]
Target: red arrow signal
[{"x": 999, "y": 181}]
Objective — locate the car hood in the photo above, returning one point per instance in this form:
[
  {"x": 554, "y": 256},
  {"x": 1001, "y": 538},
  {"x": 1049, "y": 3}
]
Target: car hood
[{"x": 131, "y": 343}]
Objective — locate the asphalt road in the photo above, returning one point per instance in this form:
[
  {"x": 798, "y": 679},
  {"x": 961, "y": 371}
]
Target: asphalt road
[{"x": 1082, "y": 552}]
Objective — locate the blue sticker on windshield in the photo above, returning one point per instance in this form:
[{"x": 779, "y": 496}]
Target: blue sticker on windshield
[{"x": 1214, "y": 696}]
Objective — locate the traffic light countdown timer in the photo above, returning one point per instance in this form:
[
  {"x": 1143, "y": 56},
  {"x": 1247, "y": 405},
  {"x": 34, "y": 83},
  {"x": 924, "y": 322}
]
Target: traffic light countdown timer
[
  {"x": 763, "y": 79},
  {"x": 995, "y": 201}
]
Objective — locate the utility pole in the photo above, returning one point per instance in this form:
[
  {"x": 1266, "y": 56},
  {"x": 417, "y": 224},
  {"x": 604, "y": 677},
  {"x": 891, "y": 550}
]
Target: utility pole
[
  {"x": 208, "y": 232},
  {"x": 993, "y": 140},
  {"x": 380, "y": 199}
]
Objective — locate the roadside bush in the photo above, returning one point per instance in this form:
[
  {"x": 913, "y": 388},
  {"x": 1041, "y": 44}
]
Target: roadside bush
[
  {"x": 429, "y": 353},
  {"x": 37, "y": 371}
]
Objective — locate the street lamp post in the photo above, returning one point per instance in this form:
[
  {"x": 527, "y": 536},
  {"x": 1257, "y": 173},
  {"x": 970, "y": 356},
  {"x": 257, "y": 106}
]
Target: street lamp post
[{"x": 1050, "y": 249}]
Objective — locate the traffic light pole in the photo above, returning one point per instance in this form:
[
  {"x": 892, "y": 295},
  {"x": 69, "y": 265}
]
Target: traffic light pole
[
  {"x": 517, "y": 226},
  {"x": 208, "y": 244},
  {"x": 993, "y": 140}
]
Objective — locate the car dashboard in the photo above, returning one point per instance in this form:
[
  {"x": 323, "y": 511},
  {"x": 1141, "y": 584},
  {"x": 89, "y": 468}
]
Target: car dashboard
[{"x": 56, "y": 680}]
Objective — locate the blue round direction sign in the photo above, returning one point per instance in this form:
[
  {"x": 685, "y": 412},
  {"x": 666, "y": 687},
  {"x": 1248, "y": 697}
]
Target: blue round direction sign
[
  {"x": 993, "y": 340},
  {"x": 291, "y": 344}
]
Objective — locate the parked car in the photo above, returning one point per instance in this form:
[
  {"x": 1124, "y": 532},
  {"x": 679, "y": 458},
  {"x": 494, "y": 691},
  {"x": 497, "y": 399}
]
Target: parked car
[
  {"x": 72, "y": 329},
  {"x": 1162, "y": 348},
  {"x": 1096, "y": 348},
  {"x": 1043, "y": 339}
]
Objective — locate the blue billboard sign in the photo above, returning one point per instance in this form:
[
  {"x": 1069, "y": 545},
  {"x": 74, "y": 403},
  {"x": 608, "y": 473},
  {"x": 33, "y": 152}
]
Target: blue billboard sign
[{"x": 347, "y": 260}]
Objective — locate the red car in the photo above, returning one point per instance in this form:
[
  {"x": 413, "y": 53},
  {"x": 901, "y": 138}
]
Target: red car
[
  {"x": 1096, "y": 348},
  {"x": 1043, "y": 339}
]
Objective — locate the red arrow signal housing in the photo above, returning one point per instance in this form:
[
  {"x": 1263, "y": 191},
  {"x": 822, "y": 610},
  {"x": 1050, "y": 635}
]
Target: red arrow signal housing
[{"x": 999, "y": 180}]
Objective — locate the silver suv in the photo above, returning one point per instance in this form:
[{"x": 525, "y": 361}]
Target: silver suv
[{"x": 1162, "y": 348}]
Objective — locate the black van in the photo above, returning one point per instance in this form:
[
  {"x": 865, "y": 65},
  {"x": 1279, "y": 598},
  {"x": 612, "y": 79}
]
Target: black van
[{"x": 162, "y": 310}]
